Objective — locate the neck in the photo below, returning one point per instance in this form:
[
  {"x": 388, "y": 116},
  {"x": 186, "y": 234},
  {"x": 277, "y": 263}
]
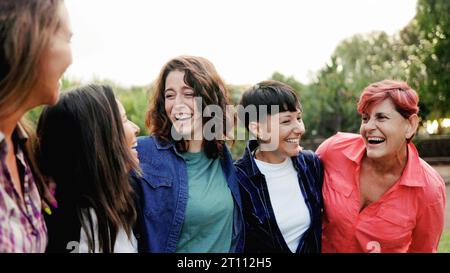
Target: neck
[
  {"x": 8, "y": 124},
  {"x": 195, "y": 146},
  {"x": 393, "y": 165},
  {"x": 269, "y": 157}
]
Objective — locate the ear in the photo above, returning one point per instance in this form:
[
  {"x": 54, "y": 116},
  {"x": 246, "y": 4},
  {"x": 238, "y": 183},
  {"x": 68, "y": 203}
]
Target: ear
[
  {"x": 253, "y": 127},
  {"x": 413, "y": 123}
]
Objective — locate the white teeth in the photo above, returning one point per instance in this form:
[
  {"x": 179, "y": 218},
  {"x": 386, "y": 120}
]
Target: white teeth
[
  {"x": 182, "y": 116},
  {"x": 292, "y": 140},
  {"x": 378, "y": 139}
]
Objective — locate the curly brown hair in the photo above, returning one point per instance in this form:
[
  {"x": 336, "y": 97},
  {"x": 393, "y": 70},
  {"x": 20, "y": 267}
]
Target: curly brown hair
[{"x": 200, "y": 75}]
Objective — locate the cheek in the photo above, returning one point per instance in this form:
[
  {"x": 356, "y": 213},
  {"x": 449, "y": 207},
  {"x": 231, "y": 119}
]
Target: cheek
[
  {"x": 128, "y": 132},
  {"x": 168, "y": 107},
  {"x": 193, "y": 107},
  {"x": 361, "y": 129},
  {"x": 60, "y": 57}
]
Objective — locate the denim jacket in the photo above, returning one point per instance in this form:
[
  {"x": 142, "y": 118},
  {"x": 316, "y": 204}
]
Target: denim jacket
[
  {"x": 163, "y": 195},
  {"x": 262, "y": 231}
]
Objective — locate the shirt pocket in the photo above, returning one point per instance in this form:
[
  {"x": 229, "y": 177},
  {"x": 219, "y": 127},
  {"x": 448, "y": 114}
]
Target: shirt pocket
[
  {"x": 156, "y": 177},
  {"x": 339, "y": 182},
  {"x": 394, "y": 229}
]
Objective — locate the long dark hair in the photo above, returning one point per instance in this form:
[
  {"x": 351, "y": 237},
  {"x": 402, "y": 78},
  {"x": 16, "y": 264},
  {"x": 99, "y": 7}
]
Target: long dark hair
[
  {"x": 81, "y": 146},
  {"x": 202, "y": 77}
]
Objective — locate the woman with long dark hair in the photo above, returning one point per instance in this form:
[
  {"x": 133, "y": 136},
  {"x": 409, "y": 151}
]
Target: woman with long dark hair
[{"x": 86, "y": 146}]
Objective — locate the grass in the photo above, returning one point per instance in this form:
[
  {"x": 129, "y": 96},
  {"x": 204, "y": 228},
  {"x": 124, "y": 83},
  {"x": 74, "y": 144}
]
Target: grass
[{"x": 444, "y": 244}]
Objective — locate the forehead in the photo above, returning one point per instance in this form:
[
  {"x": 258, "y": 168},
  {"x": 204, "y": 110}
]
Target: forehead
[
  {"x": 384, "y": 106},
  {"x": 175, "y": 77},
  {"x": 289, "y": 113},
  {"x": 64, "y": 18},
  {"x": 120, "y": 106}
]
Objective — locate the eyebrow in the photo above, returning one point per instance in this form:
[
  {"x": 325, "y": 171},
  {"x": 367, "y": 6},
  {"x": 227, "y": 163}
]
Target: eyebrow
[
  {"x": 377, "y": 114},
  {"x": 182, "y": 88}
]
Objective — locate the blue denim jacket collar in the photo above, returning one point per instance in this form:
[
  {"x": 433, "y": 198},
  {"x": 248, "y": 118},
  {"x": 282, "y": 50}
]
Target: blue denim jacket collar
[{"x": 250, "y": 164}]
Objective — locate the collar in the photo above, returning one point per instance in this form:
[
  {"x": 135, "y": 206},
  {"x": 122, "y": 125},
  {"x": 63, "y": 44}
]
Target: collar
[
  {"x": 2, "y": 143},
  {"x": 20, "y": 133},
  {"x": 19, "y": 136},
  {"x": 163, "y": 144},
  {"x": 248, "y": 159},
  {"x": 412, "y": 175}
]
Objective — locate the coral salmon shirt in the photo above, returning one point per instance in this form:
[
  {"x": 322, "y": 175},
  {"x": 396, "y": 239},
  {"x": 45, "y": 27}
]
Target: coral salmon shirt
[{"x": 409, "y": 217}]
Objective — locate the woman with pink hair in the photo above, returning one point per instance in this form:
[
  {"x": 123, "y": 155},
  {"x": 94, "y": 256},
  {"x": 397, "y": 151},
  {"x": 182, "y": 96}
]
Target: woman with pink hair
[{"x": 379, "y": 195}]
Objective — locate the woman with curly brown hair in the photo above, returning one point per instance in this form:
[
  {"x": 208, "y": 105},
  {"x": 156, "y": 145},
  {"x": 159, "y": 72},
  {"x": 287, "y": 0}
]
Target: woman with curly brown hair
[{"x": 189, "y": 192}]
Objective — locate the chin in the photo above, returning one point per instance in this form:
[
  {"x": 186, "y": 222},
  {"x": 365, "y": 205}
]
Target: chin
[
  {"x": 374, "y": 154},
  {"x": 52, "y": 97},
  {"x": 293, "y": 153}
]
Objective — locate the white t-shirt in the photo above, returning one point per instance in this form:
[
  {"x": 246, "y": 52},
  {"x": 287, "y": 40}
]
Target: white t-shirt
[
  {"x": 123, "y": 243},
  {"x": 288, "y": 203}
]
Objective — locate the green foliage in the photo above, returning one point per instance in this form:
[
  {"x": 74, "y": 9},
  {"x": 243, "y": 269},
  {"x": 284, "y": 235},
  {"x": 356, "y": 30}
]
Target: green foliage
[
  {"x": 135, "y": 102},
  {"x": 444, "y": 244},
  {"x": 433, "y": 29},
  {"x": 419, "y": 55},
  {"x": 66, "y": 84}
]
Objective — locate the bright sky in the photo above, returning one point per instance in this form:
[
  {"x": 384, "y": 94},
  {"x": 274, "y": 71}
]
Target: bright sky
[{"x": 247, "y": 40}]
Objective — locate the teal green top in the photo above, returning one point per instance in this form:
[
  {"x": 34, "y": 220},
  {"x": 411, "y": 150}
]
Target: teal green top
[{"x": 208, "y": 222}]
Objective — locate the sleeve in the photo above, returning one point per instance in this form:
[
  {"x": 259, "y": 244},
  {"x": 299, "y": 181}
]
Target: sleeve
[
  {"x": 429, "y": 226},
  {"x": 323, "y": 147}
]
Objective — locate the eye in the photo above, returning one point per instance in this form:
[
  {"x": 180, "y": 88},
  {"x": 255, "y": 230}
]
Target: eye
[
  {"x": 286, "y": 121},
  {"x": 365, "y": 119},
  {"x": 382, "y": 118},
  {"x": 169, "y": 95},
  {"x": 189, "y": 94}
]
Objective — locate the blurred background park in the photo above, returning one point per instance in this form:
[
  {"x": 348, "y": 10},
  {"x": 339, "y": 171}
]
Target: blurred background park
[{"x": 417, "y": 52}]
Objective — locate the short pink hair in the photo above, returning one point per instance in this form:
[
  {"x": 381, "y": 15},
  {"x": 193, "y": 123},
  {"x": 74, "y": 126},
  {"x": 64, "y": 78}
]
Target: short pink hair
[{"x": 404, "y": 97}]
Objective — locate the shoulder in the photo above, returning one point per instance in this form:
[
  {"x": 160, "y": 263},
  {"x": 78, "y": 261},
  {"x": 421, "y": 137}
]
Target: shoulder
[
  {"x": 310, "y": 158},
  {"x": 241, "y": 162},
  {"x": 310, "y": 161},
  {"x": 146, "y": 142},
  {"x": 434, "y": 185},
  {"x": 147, "y": 148},
  {"x": 338, "y": 143}
]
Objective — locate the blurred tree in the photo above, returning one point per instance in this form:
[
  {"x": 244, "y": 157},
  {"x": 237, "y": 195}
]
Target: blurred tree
[{"x": 432, "y": 23}]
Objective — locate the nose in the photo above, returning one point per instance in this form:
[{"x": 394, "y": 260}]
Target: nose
[
  {"x": 136, "y": 129},
  {"x": 299, "y": 127},
  {"x": 179, "y": 99},
  {"x": 370, "y": 124}
]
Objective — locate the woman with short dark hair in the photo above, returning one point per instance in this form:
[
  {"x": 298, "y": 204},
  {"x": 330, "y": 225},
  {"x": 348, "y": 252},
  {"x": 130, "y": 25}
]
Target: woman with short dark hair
[{"x": 280, "y": 182}]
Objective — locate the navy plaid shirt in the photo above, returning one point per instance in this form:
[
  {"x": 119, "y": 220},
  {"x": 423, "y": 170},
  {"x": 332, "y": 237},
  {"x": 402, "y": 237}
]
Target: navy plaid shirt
[{"x": 261, "y": 230}]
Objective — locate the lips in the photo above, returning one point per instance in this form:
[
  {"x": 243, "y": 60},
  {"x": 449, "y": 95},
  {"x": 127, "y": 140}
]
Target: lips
[
  {"x": 182, "y": 116},
  {"x": 293, "y": 140},
  {"x": 375, "y": 140}
]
